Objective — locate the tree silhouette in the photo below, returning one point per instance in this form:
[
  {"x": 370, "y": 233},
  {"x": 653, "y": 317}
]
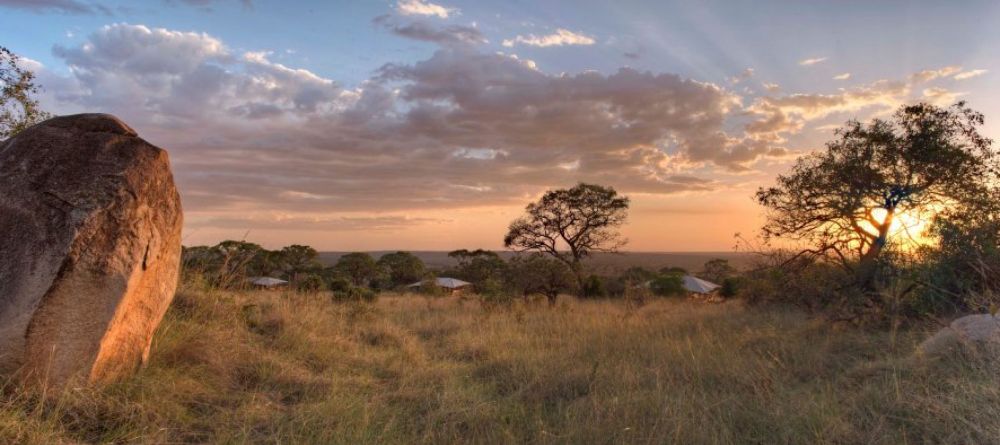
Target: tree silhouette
[
  {"x": 843, "y": 200},
  {"x": 571, "y": 224}
]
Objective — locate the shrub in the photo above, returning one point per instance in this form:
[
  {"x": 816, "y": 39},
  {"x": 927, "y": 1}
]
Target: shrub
[
  {"x": 340, "y": 284},
  {"x": 668, "y": 284},
  {"x": 355, "y": 294},
  {"x": 730, "y": 287},
  {"x": 309, "y": 283},
  {"x": 593, "y": 287}
]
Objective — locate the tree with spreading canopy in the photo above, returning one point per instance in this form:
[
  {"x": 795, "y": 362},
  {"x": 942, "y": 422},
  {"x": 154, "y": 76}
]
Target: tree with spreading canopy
[
  {"x": 843, "y": 201},
  {"x": 571, "y": 224},
  {"x": 18, "y": 108},
  {"x": 359, "y": 267},
  {"x": 402, "y": 268}
]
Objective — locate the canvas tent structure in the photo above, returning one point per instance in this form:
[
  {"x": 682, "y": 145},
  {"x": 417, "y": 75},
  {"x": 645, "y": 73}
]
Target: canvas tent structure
[
  {"x": 698, "y": 286},
  {"x": 450, "y": 284},
  {"x": 267, "y": 282}
]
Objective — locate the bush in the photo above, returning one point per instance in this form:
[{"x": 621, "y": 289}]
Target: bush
[
  {"x": 309, "y": 283},
  {"x": 340, "y": 284},
  {"x": 355, "y": 294},
  {"x": 593, "y": 287},
  {"x": 669, "y": 284},
  {"x": 730, "y": 287}
]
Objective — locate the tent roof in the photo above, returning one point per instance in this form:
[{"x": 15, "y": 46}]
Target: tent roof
[
  {"x": 445, "y": 282},
  {"x": 267, "y": 281},
  {"x": 695, "y": 284}
]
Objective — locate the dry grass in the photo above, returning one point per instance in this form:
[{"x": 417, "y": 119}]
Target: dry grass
[{"x": 283, "y": 368}]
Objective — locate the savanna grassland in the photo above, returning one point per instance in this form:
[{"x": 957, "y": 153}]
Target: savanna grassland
[{"x": 273, "y": 367}]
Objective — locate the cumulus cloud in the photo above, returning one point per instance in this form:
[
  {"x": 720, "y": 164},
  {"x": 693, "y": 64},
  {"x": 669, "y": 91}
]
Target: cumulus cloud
[
  {"x": 813, "y": 61},
  {"x": 559, "y": 38},
  {"x": 460, "y": 129},
  {"x": 61, "y": 6},
  {"x": 421, "y": 7},
  {"x": 969, "y": 74},
  {"x": 843, "y": 76}
]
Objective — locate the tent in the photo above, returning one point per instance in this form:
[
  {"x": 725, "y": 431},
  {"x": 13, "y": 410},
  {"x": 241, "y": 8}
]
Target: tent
[
  {"x": 698, "y": 286},
  {"x": 445, "y": 282},
  {"x": 267, "y": 282}
]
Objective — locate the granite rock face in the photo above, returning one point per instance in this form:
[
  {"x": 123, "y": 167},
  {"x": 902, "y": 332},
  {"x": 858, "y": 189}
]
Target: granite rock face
[{"x": 90, "y": 231}]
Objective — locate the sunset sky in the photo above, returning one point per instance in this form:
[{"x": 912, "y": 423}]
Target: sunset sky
[{"x": 372, "y": 125}]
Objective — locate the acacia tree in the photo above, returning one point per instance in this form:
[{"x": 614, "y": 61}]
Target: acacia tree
[
  {"x": 571, "y": 224},
  {"x": 843, "y": 200},
  {"x": 18, "y": 109}
]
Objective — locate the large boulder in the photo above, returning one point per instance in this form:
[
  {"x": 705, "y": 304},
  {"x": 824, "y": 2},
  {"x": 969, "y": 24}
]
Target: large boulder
[
  {"x": 90, "y": 226},
  {"x": 975, "y": 332}
]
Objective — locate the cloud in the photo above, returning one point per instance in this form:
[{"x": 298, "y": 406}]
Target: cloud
[
  {"x": 969, "y": 74},
  {"x": 929, "y": 75},
  {"x": 789, "y": 113},
  {"x": 808, "y": 62},
  {"x": 780, "y": 114},
  {"x": 559, "y": 38},
  {"x": 448, "y": 35},
  {"x": 251, "y": 137},
  {"x": 843, "y": 76},
  {"x": 421, "y": 7},
  {"x": 743, "y": 75},
  {"x": 182, "y": 76},
  {"x": 207, "y": 4},
  {"x": 61, "y": 6},
  {"x": 941, "y": 96},
  {"x": 307, "y": 223},
  {"x": 771, "y": 87}
]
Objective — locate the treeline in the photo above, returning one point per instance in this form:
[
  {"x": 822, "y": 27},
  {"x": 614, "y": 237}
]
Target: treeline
[{"x": 359, "y": 276}]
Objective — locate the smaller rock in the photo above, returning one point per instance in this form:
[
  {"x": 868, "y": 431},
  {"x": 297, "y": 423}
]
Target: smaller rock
[{"x": 970, "y": 331}]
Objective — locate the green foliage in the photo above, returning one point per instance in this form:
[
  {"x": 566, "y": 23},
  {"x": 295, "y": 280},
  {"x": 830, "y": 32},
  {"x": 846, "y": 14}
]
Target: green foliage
[
  {"x": 339, "y": 284},
  {"x": 730, "y": 287},
  {"x": 401, "y": 268},
  {"x": 478, "y": 267},
  {"x": 668, "y": 284},
  {"x": 309, "y": 283},
  {"x": 962, "y": 272},
  {"x": 359, "y": 267},
  {"x": 593, "y": 287},
  {"x": 539, "y": 274},
  {"x": 355, "y": 294},
  {"x": 18, "y": 108}
]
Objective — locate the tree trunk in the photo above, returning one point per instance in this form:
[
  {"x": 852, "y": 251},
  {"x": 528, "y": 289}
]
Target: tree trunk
[
  {"x": 868, "y": 265},
  {"x": 580, "y": 280}
]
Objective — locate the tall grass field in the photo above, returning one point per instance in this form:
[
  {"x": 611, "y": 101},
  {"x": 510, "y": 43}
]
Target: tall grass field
[{"x": 286, "y": 368}]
